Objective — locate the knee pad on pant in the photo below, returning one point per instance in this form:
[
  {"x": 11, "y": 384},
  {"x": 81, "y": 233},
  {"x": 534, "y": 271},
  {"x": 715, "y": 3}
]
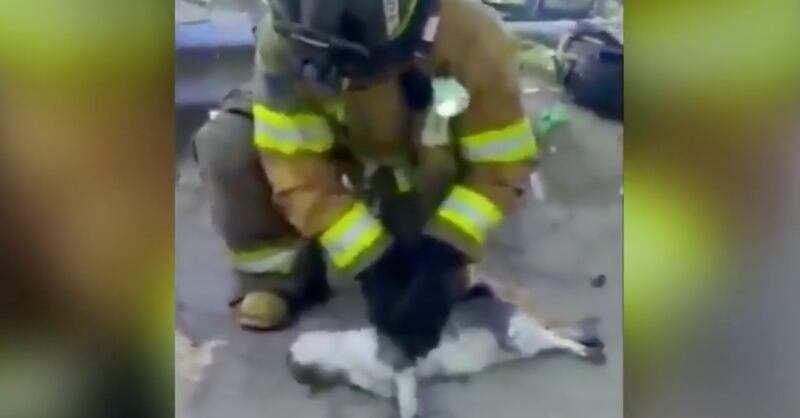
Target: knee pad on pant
[
  {"x": 223, "y": 146},
  {"x": 238, "y": 190}
]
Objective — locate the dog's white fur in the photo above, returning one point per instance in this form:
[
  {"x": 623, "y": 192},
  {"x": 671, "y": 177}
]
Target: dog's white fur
[{"x": 471, "y": 350}]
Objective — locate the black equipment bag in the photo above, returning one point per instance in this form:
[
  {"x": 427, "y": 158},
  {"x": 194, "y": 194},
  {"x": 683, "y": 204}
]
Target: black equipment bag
[{"x": 589, "y": 63}]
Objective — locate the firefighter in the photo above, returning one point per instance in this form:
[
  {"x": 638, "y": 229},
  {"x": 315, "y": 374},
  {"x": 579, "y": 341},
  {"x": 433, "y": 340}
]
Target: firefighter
[{"x": 380, "y": 140}]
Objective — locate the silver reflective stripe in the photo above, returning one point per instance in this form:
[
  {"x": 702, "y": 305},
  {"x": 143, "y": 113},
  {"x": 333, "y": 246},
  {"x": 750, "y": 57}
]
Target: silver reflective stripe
[
  {"x": 499, "y": 149},
  {"x": 275, "y": 263},
  {"x": 298, "y": 135},
  {"x": 346, "y": 241},
  {"x": 310, "y": 41},
  {"x": 468, "y": 211}
]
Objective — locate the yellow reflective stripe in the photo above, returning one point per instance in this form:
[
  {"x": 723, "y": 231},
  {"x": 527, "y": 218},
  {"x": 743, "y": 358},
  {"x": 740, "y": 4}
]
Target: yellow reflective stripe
[
  {"x": 471, "y": 212},
  {"x": 406, "y": 19},
  {"x": 353, "y": 234},
  {"x": 510, "y": 150},
  {"x": 290, "y": 134},
  {"x": 285, "y": 120},
  {"x": 518, "y": 127},
  {"x": 514, "y": 142},
  {"x": 269, "y": 143},
  {"x": 267, "y": 259}
]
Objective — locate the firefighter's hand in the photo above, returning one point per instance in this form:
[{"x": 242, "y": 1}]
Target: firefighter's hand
[{"x": 437, "y": 280}]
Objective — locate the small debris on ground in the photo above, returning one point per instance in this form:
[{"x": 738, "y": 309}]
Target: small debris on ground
[{"x": 598, "y": 281}]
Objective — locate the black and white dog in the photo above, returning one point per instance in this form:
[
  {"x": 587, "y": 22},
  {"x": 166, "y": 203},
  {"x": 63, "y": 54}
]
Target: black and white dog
[{"x": 483, "y": 331}]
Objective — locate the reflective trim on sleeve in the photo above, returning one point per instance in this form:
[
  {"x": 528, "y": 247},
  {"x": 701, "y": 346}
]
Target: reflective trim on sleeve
[
  {"x": 290, "y": 133},
  {"x": 351, "y": 236},
  {"x": 471, "y": 212},
  {"x": 266, "y": 259},
  {"x": 514, "y": 142}
]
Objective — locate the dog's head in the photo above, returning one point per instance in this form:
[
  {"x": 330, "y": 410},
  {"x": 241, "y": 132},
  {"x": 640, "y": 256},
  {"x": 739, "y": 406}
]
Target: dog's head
[
  {"x": 323, "y": 359},
  {"x": 311, "y": 364}
]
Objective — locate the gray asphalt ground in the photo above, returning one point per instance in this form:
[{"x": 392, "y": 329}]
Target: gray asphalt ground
[{"x": 549, "y": 249}]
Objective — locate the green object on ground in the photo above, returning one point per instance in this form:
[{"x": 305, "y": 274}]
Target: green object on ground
[{"x": 549, "y": 119}]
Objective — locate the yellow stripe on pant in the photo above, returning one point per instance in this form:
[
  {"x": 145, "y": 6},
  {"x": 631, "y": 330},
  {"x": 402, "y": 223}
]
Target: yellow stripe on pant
[
  {"x": 264, "y": 259},
  {"x": 290, "y": 134},
  {"x": 470, "y": 212},
  {"x": 353, "y": 235},
  {"x": 512, "y": 143}
]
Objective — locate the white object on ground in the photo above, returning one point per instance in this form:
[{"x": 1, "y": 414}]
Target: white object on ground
[
  {"x": 537, "y": 188},
  {"x": 190, "y": 364},
  {"x": 190, "y": 361}
]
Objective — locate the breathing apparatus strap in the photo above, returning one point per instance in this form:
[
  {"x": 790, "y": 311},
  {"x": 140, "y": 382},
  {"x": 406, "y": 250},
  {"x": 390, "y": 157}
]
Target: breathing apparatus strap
[{"x": 415, "y": 83}]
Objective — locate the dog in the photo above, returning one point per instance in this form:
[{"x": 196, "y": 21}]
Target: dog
[{"x": 482, "y": 331}]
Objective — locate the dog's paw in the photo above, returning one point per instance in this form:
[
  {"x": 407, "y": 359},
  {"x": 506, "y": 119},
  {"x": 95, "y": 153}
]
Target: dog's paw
[
  {"x": 595, "y": 355},
  {"x": 592, "y": 341}
]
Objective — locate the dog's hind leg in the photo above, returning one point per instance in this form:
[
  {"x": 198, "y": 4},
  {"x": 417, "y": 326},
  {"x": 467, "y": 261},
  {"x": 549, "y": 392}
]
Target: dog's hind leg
[
  {"x": 529, "y": 337},
  {"x": 584, "y": 333}
]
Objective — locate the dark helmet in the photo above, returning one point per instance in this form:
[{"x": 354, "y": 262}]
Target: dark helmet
[{"x": 351, "y": 40}]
